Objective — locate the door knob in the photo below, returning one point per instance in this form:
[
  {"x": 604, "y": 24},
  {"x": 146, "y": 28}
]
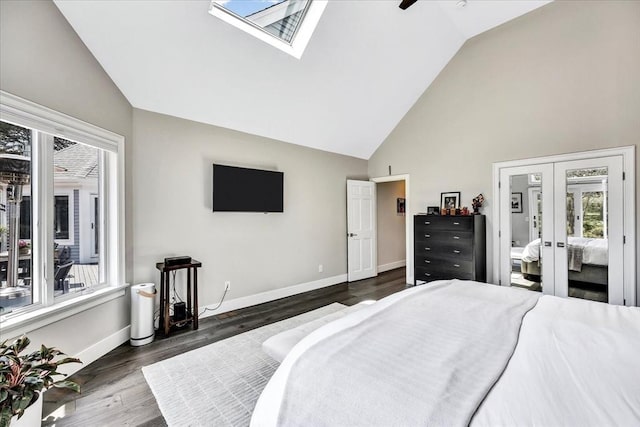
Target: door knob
[{"x": 351, "y": 234}]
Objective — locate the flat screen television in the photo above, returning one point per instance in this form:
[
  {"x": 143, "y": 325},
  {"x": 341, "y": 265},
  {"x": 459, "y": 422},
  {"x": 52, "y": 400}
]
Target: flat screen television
[{"x": 238, "y": 189}]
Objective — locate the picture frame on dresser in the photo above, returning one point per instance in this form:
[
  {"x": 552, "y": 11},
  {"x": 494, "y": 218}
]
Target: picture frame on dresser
[
  {"x": 433, "y": 210},
  {"x": 450, "y": 200}
]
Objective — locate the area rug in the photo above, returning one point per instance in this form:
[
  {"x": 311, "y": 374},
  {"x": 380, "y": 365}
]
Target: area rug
[{"x": 219, "y": 384}]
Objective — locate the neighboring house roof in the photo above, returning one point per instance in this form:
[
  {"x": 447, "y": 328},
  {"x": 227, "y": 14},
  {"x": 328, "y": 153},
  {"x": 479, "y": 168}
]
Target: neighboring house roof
[{"x": 77, "y": 161}]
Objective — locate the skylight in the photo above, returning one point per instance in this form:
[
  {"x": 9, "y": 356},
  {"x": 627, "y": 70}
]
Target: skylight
[{"x": 285, "y": 24}]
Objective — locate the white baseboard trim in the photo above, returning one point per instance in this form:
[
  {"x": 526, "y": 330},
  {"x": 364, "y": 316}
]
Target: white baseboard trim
[
  {"x": 275, "y": 294},
  {"x": 392, "y": 265},
  {"x": 97, "y": 350}
]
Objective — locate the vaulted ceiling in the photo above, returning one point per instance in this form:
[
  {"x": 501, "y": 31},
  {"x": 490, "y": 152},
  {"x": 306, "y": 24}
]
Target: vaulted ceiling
[{"x": 364, "y": 67}]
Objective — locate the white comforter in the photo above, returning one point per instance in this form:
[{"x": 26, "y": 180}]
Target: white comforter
[
  {"x": 413, "y": 346},
  {"x": 595, "y": 251},
  {"x": 576, "y": 363}
]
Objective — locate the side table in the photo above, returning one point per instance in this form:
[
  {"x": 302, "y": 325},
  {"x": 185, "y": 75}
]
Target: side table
[{"x": 166, "y": 320}]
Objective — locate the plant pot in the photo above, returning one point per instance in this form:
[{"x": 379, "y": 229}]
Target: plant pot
[{"x": 32, "y": 416}]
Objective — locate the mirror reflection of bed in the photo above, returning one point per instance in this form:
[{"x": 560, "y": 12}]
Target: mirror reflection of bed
[{"x": 588, "y": 271}]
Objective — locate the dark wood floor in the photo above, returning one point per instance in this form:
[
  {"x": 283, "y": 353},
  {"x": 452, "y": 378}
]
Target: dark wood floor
[{"x": 114, "y": 391}]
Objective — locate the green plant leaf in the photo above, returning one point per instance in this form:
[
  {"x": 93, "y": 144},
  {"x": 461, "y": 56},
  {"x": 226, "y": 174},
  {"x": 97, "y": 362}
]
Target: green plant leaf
[
  {"x": 68, "y": 360},
  {"x": 67, "y": 384}
]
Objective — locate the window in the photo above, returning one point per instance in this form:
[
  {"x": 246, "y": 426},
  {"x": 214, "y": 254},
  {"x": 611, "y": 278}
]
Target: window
[
  {"x": 284, "y": 24},
  {"x": 62, "y": 220},
  {"x": 61, "y": 209}
]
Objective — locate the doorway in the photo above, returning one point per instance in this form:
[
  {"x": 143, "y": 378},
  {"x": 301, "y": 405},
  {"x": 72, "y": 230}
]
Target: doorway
[
  {"x": 391, "y": 225},
  {"x": 408, "y": 224}
]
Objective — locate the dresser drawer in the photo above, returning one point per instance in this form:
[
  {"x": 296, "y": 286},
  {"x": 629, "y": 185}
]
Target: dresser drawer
[
  {"x": 434, "y": 222},
  {"x": 428, "y": 274},
  {"x": 444, "y": 237},
  {"x": 454, "y": 250}
]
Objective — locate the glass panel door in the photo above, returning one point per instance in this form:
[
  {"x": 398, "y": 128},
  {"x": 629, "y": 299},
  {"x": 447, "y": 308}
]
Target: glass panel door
[
  {"x": 589, "y": 215},
  {"x": 526, "y": 203}
]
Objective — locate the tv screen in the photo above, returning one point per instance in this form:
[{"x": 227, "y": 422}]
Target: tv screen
[{"x": 247, "y": 190}]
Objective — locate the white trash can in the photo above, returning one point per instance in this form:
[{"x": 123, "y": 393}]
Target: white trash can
[{"x": 143, "y": 298}]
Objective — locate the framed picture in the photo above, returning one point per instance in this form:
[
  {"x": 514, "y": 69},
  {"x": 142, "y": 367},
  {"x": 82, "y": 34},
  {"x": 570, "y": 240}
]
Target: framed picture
[
  {"x": 450, "y": 200},
  {"x": 516, "y": 202},
  {"x": 433, "y": 210},
  {"x": 400, "y": 205}
]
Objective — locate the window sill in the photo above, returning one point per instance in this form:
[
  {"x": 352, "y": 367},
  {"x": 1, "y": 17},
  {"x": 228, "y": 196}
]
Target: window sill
[{"x": 11, "y": 326}]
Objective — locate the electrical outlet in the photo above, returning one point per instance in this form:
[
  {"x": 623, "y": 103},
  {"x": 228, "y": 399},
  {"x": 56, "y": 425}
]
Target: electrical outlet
[
  {"x": 227, "y": 285},
  {"x": 320, "y": 268}
]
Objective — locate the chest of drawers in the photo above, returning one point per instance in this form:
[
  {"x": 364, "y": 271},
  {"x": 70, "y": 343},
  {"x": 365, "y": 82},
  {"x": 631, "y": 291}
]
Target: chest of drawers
[{"x": 449, "y": 247}]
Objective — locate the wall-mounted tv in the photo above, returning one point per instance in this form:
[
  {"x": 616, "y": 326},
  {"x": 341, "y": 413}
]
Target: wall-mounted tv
[{"x": 238, "y": 189}]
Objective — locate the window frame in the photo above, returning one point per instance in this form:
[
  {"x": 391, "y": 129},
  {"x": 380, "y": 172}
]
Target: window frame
[
  {"x": 49, "y": 123},
  {"x": 300, "y": 39},
  {"x": 67, "y": 192}
]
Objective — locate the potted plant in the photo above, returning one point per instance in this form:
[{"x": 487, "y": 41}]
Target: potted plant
[{"x": 23, "y": 378}]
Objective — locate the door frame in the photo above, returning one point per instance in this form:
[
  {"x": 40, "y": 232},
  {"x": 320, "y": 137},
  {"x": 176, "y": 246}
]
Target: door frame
[
  {"x": 408, "y": 223},
  {"x": 629, "y": 208}
]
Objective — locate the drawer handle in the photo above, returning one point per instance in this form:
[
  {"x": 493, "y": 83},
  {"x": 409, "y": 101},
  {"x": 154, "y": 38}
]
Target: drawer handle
[
  {"x": 456, "y": 237},
  {"x": 427, "y": 261},
  {"x": 456, "y": 223},
  {"x": 427, "y": 235},
  {"x": 455, "y": 251},
  {"x": 427, "y": 274},
  {"x": 456, "y": 265},
  {"x": 427, "y": 249},
  {"x": 427, "y": 222}
]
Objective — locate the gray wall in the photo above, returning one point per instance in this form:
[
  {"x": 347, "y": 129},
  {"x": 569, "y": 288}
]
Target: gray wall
[
  {"x": 172, "y": 183},
  {"x": 43, "y": 60},
  {"x": 391, "y": 226},
  {"x": 560, "y": 79}
]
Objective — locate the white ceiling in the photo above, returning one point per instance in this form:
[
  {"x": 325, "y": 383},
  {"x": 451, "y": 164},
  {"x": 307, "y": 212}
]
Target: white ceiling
[{"x": 364, "y": 67}]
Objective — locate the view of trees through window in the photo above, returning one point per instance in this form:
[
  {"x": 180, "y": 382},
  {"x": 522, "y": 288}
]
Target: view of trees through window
[{"x": 586, "y": 202}]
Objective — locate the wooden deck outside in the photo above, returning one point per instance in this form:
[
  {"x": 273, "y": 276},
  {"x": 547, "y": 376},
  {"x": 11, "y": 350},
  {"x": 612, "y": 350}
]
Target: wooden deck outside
[{"x": 84, "y": 273}]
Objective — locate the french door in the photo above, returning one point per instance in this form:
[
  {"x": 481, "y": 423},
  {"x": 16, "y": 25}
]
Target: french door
[{"x": 561, "y": 228}]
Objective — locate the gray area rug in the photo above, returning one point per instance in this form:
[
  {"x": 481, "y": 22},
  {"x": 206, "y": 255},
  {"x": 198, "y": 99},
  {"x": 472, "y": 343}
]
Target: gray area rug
[{"x": 219, "y": 384}]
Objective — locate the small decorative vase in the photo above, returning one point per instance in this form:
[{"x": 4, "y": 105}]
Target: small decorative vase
[{"x": 476, "y": 211}]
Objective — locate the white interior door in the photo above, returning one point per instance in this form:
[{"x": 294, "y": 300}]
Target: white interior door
[
  {"x": 590, "y": 212},
  {"x": 516, "y": 223},
  {"x": 361, "y": 230}
]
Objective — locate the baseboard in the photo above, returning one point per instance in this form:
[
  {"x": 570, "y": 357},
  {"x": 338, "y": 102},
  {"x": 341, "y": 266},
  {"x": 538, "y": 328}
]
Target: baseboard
[
  {"x": 275, "y": 294},
  {"x": 391, "y": 266},
  {"x": 97, "y": 350}
]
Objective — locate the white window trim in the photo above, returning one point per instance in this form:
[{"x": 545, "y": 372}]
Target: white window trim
[
  {"x": 301, "y": 38},
  {"x": 22, "y": 112}
]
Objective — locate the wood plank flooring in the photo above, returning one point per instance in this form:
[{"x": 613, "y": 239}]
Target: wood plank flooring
[{"x": 114, "y": 391}]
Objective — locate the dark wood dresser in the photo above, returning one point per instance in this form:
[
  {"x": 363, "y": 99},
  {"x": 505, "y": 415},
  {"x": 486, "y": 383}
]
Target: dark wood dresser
[{"x": 449, "y": 247}]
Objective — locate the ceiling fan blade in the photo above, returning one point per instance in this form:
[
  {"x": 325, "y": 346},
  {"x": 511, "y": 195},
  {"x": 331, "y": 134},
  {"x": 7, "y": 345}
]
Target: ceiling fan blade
[{"x": 406, "y": 3}]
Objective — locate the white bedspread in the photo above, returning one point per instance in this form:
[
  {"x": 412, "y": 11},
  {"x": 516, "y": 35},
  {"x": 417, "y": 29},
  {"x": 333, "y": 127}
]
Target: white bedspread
[
  {"x": 437, "y": 349},
  {"x": 577, "y": 363},
  {"x": 595, "y": 251}
]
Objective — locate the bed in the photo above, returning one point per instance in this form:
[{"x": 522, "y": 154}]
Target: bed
[
  {"x": 588, "y": 260},
  {"x": 459, "y": 353}
]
